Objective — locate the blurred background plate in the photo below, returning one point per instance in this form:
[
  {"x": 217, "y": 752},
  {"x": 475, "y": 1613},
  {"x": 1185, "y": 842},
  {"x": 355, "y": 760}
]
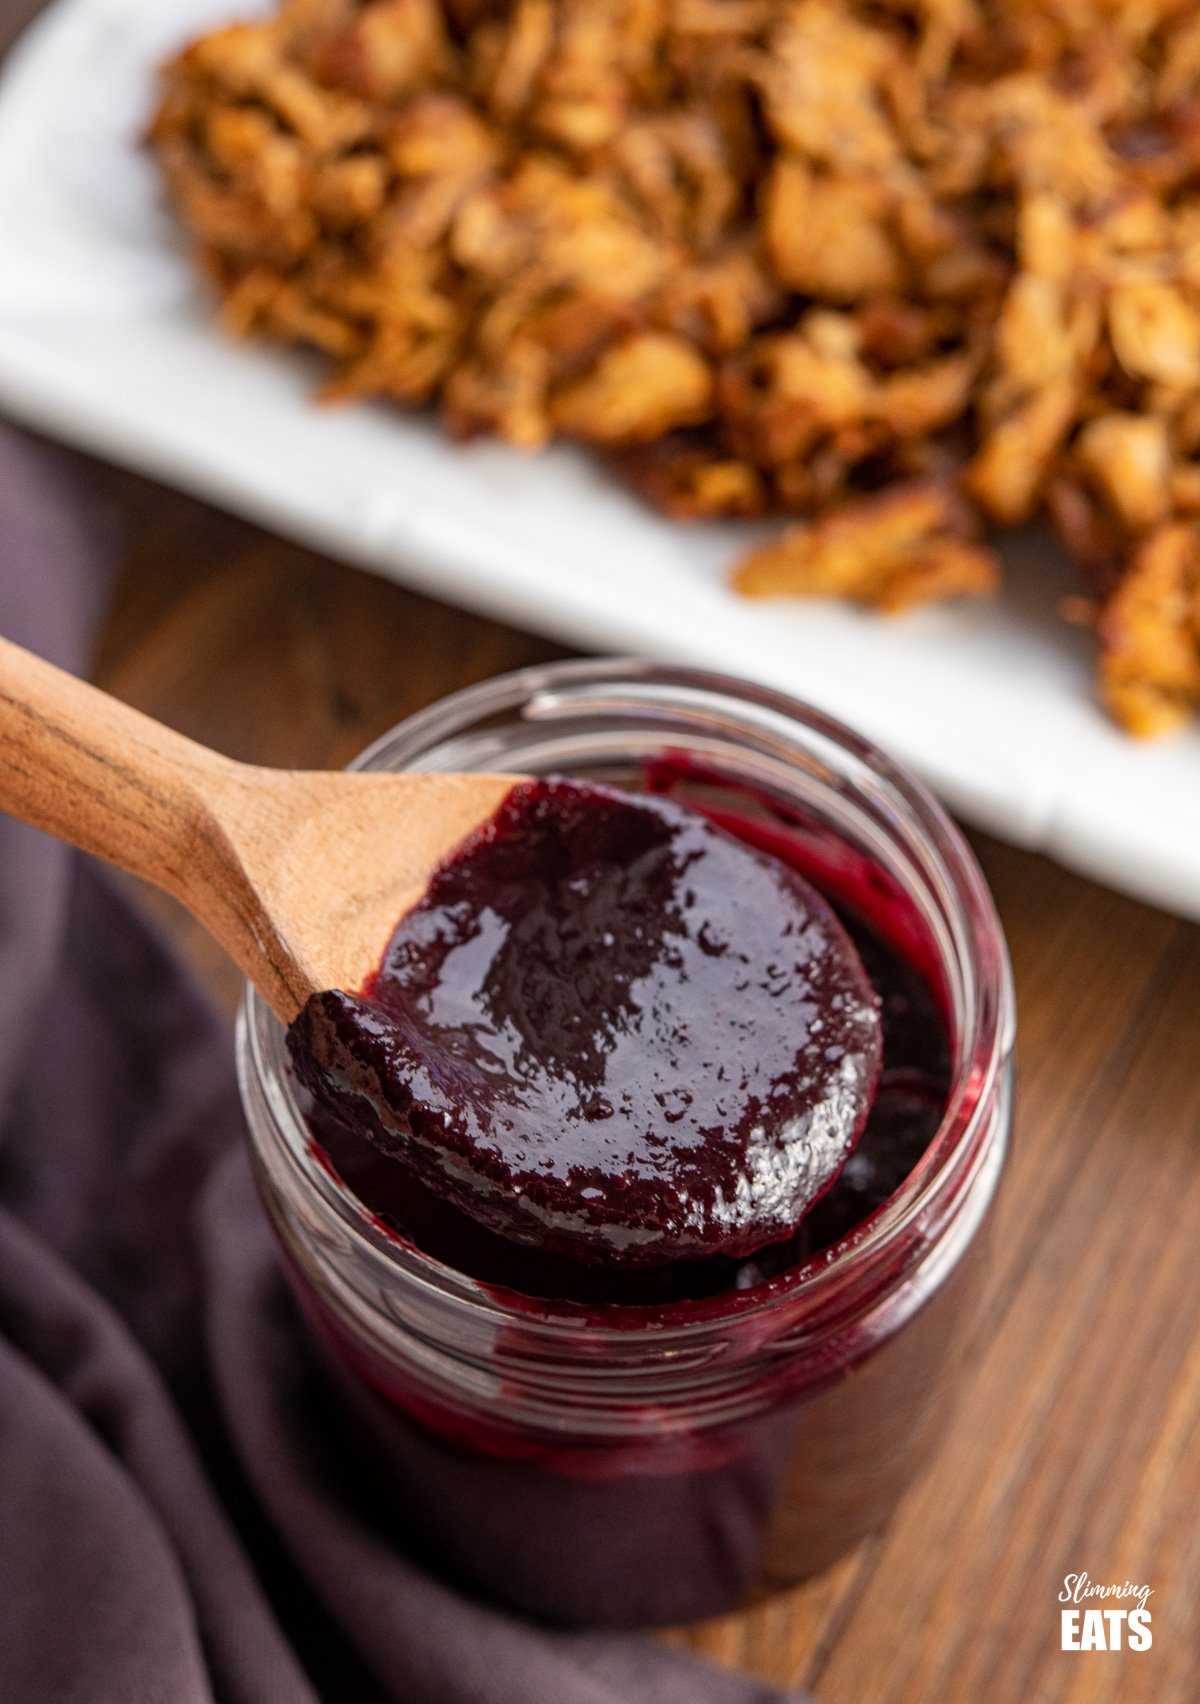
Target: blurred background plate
[{"x": 107, "y": 340}]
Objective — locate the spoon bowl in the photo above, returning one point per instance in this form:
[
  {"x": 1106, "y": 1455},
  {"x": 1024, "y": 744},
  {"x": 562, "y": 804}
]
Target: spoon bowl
[{"x": 603, "y": 1025}]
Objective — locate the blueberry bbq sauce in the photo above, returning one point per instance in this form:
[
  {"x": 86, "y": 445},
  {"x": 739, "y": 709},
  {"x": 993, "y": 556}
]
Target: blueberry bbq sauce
[
  {"x": 608, "y": 1030},
  {"x": 636, "y": 1066},
  {"x": 617, "y": 1054}
]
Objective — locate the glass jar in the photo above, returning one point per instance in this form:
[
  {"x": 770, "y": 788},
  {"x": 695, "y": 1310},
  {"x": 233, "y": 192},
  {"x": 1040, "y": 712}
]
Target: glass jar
[{"x": 623, "y": 1465}]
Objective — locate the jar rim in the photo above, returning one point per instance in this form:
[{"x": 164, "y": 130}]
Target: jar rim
[{"x": 980, "y": 1057}]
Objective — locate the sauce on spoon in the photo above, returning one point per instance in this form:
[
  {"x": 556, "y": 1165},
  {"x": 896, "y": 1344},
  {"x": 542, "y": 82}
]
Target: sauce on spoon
[{"x": 608, "y": 1029}]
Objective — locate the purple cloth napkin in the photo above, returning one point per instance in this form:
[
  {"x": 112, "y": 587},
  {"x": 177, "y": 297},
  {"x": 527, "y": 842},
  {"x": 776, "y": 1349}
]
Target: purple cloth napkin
[{"x": 173, "y": 1528}]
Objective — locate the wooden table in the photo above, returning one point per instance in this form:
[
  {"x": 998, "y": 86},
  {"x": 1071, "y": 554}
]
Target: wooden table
[{"x": 1077, "y": 1445}]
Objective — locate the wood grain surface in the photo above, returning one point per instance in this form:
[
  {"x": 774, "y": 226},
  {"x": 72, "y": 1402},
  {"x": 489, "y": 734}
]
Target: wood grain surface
[
  {"x": 297, "y": 873},
  {"x": 1076, "y": 1446}
]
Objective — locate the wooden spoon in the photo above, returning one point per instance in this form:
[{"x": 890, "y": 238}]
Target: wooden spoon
[{"x": 301, "y": 876}]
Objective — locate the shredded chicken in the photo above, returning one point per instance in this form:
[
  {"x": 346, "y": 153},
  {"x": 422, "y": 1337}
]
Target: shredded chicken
[{"x": 896, "y": 268}]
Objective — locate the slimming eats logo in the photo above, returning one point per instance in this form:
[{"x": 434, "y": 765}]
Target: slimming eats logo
[{"x": 1086, "y": 1627}]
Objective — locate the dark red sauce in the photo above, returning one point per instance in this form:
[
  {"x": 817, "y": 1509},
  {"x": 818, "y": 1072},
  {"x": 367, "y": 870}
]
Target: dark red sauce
[
  {"x": 903, "y": 1117},
  {"x": 676, "y": 1522},
  {"x": 609, "y": 1031}
]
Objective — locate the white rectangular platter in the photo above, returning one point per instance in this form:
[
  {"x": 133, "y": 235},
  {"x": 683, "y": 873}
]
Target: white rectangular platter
[{"x": 106, "y": 340}]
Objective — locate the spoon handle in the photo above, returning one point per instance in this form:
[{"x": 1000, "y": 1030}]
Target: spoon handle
[{"x": 100, "y": 775}]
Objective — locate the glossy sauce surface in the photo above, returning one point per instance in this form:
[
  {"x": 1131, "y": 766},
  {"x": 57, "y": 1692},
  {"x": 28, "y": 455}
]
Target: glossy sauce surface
[
  {"x": 681, "y": 1524},
  {"x": 610, "y": 1032},
  {"x": 903, "y": 1120}
]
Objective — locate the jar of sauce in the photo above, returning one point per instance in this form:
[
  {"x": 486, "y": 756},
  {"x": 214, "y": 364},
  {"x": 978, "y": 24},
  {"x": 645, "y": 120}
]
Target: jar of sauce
[{"x": 626, "y": 1448}]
